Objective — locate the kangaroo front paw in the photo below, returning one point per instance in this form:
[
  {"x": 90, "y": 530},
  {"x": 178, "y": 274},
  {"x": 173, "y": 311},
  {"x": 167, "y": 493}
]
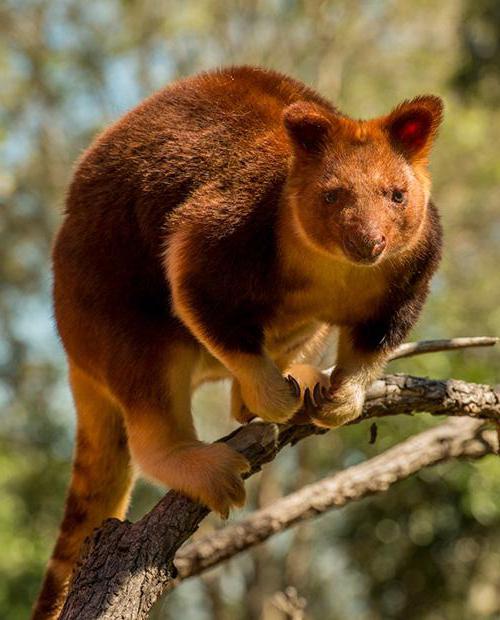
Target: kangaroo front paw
[
  {"x": 343, "y": 404},
  {"x": 274, "y": 399},
  {"x": 311, "y": 386}
]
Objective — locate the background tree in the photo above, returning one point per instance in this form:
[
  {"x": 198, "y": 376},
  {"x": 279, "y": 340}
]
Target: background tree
[{"x": 428, "y": 549}]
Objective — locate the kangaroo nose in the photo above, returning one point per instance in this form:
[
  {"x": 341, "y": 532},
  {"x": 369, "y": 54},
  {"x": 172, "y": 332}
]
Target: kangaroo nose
[
  {"x": 365, "y": 249},
  {"x": 377, "y": 246}
]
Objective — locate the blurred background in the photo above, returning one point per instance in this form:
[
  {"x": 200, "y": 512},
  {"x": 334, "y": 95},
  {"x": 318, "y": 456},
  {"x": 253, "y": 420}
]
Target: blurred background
[{"x": 430, "y": 547}]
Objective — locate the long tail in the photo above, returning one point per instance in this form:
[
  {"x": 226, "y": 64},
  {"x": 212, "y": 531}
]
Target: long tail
[{"x": 100, "y": 486}]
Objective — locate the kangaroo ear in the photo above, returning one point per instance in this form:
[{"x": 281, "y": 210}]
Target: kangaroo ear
[
  {"x": 413, "y": 125},
  {"x": 307, "y": 125}
]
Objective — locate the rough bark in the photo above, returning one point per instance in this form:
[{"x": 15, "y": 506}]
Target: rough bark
[
  {"x": 125, "y": 567},
  {"x": 406, "y": 394},
  {"x": 452, "y": 439}
]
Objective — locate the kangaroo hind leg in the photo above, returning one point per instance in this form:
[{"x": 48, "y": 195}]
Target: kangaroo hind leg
[{"x": 164, "y": 443}]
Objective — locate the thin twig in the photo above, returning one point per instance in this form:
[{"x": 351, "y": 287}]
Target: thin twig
[
  {"x": 410, "y": 349},
  {"x": 290, "y": 603}
]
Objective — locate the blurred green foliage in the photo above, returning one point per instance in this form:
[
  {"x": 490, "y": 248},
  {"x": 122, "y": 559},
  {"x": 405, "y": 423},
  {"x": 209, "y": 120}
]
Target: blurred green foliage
[{"x": 430, "y": 547}]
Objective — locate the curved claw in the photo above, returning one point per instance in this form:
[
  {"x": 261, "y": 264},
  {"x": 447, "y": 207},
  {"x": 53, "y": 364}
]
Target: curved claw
[
  {"x": 317, "y": 395},
  {"x": 309, "y": 405},
  {"x": 326, "y": 395},
  {"x": 321, "y": 395},
  {"x": 294, "y": 384}
]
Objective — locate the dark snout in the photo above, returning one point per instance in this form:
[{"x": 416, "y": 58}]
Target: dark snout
[{"x": 364, "y": 247}]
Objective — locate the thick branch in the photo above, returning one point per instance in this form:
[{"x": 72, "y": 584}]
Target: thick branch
[
  {"x": 126, "y": 567},
  {"x": 406, "y": 394},
  {"x": 454, "y": 438}
]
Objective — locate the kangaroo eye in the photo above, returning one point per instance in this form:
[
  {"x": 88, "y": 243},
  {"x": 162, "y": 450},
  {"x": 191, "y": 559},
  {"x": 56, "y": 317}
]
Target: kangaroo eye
[
  {"x": 398, "y": 196},
  {"x": 332, "y": 196}
]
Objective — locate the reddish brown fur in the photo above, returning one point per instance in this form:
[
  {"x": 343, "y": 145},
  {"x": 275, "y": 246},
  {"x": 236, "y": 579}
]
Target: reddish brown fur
[{"x": 210, "y": 232}]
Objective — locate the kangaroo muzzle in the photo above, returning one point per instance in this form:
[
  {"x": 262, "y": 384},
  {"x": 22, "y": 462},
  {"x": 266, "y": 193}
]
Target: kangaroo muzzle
[{"x": 364, "y": 248}]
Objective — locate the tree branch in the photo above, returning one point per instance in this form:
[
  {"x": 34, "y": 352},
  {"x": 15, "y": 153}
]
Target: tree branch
[
  {"x": 452, "y": 439},
  {"x": 394, "y": 394},
  {"x": 409, "y": 349},
  {"x": 125, "y": 567}
]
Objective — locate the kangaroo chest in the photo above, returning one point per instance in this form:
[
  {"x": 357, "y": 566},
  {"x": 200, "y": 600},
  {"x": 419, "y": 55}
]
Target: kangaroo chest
[{"x": 343, "y": 300}]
